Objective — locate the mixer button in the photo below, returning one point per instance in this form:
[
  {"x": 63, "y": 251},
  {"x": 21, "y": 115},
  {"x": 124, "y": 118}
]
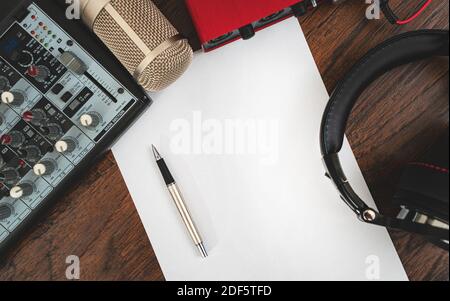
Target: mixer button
[
  {"x": 21, "y": 190},
  {"x": 66, "y": 145},
  {"x": 44, "y": 168},
  {"x": 5, "y": 212},
  {"x": 90, "y": 120},
  {"x": 14, "y": 139},
  {"x": 57, "y": 89},
  {"x": 66, "y": 96},
  {"x": 14, "y": 98}
]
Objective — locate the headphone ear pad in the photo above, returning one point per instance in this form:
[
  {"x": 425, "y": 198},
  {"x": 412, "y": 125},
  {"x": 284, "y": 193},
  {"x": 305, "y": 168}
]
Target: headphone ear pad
[
  {"x": 423, "y": 185},
  {"x": 397, "y": 51}
]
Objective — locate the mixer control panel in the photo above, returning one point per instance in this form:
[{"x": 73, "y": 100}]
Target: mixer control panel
[{"x": 57, "y": 104}]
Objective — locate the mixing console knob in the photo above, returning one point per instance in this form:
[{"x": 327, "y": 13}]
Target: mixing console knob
[
  {"x": 21, "y": 190},
  {"x": 66, "y": 145},
  {"x": 39, "y": 73},
  {"x": 9, "y": 176},
  {"x": 14, "y": 139},
  {"x": 90, "y": 120},
  {"x": 36, "y": 117},
  {"x": 44, "y": 168},
  {"x": 5, "y": 212},
  {"x": 31, "y": 153},
  {"x": 4, "y": 84},
  {"x": 25, "y": 59},
  {"x": 52, "y": 131},
  {"x": 14, "y": 98}
]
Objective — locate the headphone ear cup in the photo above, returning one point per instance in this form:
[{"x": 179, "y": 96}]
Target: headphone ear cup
[{"x": 423, "y": 186}]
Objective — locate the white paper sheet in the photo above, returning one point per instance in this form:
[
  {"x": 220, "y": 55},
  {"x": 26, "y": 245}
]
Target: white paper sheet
[{"x": 265, "y": 210}]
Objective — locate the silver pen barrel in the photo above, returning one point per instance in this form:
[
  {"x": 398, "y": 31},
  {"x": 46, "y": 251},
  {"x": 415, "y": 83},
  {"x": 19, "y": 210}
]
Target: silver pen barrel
[{"x": 187, "y": 219}]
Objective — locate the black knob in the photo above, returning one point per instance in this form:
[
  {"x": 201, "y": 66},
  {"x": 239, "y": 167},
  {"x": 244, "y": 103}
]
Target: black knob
[
  {"x": 247, "y": 32},
  {"x": 4, "y": 84},
  {"x": 9, "y": 176},
  {"x": 30, "y": 153},
  {"x": 25, "y": 59},
  {"x": 52, "y": 131},
  {"x": 5, "y": 212}
]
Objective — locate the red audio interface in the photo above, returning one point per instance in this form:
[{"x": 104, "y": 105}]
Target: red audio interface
[{"x": 221, "y": 22}]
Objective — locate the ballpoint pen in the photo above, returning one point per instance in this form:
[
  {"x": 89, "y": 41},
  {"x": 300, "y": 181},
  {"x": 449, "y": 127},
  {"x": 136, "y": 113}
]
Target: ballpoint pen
[{"x": 180, "y": 203}]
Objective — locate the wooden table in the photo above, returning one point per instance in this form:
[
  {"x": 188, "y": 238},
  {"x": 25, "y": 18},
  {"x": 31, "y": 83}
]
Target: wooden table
[{"x": 401, "y": 114}]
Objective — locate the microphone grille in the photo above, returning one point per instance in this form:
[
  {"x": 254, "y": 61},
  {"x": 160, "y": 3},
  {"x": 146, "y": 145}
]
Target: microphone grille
[{"x": 153, "y": 29}]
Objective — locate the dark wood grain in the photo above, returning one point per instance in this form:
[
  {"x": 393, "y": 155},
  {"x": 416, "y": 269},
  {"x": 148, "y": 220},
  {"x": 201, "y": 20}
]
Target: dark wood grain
[{"x": 397, "y": 119}]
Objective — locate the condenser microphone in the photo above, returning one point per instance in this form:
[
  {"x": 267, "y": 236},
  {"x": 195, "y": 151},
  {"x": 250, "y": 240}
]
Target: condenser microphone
[{"x": 143, "y": 40}]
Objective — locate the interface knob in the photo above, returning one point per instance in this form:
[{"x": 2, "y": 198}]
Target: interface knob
[
  {"x": 66, "y": 145},
  {"x": 5, "y": 212},
  {"x": 90, "y": 120},
  {"x": 4, "y": 84},
  {"x": 14, "y": 139},
  {"x": 39, "y": 73},
  {"x": 36, "y": 117},
  {"x": 21, "y": 190},
  {"x": 30, "y": 153},
  {"x": 44, "y": 168},
  {"x": 13, "y": 98},
  {"x": 25, "y": 59},
  {"x": 52, "y": 131},
  {"x": 9, "y": 176}
]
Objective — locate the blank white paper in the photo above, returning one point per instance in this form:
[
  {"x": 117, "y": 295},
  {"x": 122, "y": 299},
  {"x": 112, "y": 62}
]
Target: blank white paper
[{"x": 265, "y": 213}]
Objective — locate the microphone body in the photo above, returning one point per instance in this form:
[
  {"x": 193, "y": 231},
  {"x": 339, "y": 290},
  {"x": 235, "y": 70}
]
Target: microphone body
[{"x": 143, "y": 40}]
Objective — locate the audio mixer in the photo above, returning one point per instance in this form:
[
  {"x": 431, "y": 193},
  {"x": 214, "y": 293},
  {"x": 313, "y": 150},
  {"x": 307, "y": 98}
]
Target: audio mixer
[{"x": 64, "y": 101}]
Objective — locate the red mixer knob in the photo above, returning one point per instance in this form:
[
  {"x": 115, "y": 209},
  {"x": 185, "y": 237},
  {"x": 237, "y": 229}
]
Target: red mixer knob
[
  {"x": 36, "y": 117},
  {"x": 39, "y": 73},
  {"x": 32, "y": 71},
  {"x": 13, "y": 139}
]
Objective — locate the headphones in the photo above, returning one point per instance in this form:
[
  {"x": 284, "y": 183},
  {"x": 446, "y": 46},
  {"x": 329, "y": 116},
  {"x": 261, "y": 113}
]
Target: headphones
[{"x": 399, "y": 50}]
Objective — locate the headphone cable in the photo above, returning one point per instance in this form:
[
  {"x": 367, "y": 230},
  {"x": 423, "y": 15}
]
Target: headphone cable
[{"x": 394, "y": 19}]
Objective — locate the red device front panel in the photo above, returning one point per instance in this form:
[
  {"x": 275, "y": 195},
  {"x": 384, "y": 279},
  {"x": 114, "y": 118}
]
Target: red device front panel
[{"x": 214, "y": 18}]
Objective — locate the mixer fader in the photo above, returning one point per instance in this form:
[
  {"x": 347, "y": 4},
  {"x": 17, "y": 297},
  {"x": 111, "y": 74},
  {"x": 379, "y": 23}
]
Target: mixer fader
[{"x": 59, "y": 107}]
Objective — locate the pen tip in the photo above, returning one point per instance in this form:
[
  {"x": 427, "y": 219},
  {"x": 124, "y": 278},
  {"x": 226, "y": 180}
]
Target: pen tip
[
  {"x": 202, "y": 249},
  {"x": 156, "y": 153}
]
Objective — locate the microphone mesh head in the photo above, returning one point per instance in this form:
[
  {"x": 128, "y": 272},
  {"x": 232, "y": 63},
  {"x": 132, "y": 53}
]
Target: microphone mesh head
[{"x": 153, "y": 29}]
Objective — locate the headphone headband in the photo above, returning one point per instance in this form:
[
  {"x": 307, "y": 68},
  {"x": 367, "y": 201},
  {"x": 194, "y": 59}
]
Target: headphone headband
[{"x": 399, "y": 50}]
